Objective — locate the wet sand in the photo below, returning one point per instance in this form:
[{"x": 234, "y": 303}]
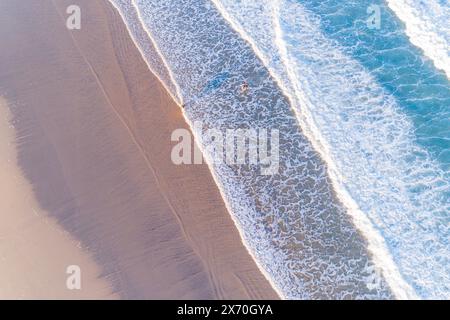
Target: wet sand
[{"x": 92, "y": 127}]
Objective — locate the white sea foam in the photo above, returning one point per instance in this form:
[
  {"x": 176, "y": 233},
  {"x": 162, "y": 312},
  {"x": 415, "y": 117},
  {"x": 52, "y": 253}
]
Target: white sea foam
[
  {"x": 367, "y": 143},
  {"x": 428, "y": 27},
  {"x": 298, "y": 233},
  {"x": 146, "y": 46},
  {"x": 368, "y": 146}
]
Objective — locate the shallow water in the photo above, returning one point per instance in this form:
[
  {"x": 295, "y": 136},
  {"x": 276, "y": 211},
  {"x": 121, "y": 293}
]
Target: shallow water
[{"x": 359, "y": 207}]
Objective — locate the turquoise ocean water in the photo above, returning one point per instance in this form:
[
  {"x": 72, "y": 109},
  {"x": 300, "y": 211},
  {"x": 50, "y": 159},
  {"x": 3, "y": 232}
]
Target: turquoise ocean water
[{"x": 360, "y": 207}]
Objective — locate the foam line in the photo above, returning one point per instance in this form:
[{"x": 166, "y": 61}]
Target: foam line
[
  {"x": 309, "y": 98},
  {"x": 147, "y": 47},
  {"x": 428, "y": 27},
  {"x": 273, "y": 260}
]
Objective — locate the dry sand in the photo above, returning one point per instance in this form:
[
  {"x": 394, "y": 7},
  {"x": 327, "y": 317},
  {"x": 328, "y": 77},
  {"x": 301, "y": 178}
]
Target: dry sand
[{"x": 93, "y": 128}]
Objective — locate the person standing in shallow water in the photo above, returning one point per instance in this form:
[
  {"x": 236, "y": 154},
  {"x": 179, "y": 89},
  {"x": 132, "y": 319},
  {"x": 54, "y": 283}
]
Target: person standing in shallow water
[{"x": 244, "y": 87}]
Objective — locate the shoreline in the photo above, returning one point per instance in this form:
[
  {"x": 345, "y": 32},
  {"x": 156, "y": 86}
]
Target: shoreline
[
  {"x": 215, "y": 178},
  {"x": 151, "y": 52},
  {"x": 94, "y": 130}
]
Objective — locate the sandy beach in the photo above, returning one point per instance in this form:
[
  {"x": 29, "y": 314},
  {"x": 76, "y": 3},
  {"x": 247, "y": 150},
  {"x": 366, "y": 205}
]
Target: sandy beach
[
  {"x": 35, "y": 251},
  {"x": 86, "y": 131}
]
